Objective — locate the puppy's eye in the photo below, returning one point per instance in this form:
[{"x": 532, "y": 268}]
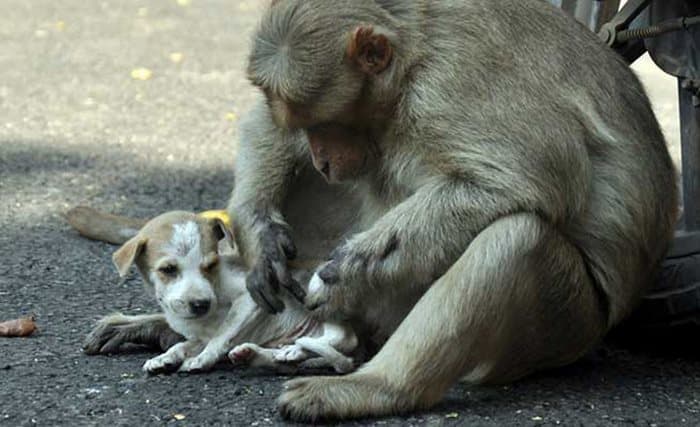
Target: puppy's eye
[
  {"x": 211, "y": 265},
  {"x": 169, "y": 270}
]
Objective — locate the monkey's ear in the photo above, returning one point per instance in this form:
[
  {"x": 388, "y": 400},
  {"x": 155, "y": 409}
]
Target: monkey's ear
[
  {"x": 125, "y": 256},
  {"x": 370, "y": 50}
]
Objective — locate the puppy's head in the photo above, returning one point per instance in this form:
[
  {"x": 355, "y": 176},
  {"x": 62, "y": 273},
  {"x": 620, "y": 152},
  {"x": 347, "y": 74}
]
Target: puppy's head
[{"x": 177, "y": 254}]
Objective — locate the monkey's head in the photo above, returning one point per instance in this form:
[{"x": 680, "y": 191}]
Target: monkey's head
[{"x": 326, "y": 64}]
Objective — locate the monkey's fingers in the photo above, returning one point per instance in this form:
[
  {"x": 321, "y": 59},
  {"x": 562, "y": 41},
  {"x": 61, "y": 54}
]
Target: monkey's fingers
[
  {"x": 288, "y": 246},
  {"x": 263, "y": 288},
  {"x": 330, "y": 272},
  {"x": 287, "y": 281},
  {"x": 267, "y": 301},
  {"x": 277, "y": 241},
  {"x": 296, "y": 290}
]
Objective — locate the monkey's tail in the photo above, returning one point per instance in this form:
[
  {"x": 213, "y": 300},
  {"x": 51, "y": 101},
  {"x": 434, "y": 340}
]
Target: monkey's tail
[{"x": 102, "y": 226}]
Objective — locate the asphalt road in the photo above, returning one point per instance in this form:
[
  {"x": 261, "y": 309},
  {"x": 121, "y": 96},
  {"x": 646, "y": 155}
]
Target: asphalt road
[{"x": 76, "y": 127}]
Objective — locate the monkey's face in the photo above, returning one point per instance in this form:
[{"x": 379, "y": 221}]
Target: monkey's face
[
  {"x": 340, "y": 153},
  {"x": 317, "y": 63}
]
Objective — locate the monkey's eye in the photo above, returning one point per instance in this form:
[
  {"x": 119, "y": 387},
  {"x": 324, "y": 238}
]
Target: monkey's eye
[{"x": 168, "y": 270}]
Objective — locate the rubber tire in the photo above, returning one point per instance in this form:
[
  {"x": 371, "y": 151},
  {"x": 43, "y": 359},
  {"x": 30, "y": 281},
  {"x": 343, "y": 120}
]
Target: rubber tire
[{"x": 674, "y": 299}]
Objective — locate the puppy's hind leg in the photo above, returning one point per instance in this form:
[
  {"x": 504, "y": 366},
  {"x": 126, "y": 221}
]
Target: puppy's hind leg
[
  {"x": 258, "y": 357},
  {"x": 336, "y": 340},
  {"x": 519, "y": 299},
  {"x": 113, "y": 331}
]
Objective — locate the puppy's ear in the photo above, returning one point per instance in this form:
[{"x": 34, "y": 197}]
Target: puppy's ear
[
  {"x": 222, "y": 231},
  {"x": 125, "y": 256}
]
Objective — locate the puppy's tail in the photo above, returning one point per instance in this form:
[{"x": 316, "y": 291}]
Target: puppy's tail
[{"x": 101, "y": 226}]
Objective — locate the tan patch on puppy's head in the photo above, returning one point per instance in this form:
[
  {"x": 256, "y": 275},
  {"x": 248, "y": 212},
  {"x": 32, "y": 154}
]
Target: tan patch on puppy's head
[{"x": 149, "y": 244}]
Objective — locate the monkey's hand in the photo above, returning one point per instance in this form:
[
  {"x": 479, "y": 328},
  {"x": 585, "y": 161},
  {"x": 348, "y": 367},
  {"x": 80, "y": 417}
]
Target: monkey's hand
[
  {"x": 337, "y": 286},
  {"x": 270, "y": 271},
  {"x": 410, "y": 246}
]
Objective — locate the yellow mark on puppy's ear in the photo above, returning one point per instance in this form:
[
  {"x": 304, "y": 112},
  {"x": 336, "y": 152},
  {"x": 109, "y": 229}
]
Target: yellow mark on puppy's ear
[{"x": 221, "y": 215}]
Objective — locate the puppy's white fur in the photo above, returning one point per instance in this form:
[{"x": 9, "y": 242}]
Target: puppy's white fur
[{"x": 175, "y": 254}]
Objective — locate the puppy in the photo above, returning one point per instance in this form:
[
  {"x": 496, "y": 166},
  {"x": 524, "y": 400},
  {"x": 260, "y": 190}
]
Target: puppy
[{"x": 190, "y": 264}]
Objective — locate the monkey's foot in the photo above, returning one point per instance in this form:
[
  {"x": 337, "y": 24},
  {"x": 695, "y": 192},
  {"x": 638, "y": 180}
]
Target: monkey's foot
[{"x": 334, "y": 398}]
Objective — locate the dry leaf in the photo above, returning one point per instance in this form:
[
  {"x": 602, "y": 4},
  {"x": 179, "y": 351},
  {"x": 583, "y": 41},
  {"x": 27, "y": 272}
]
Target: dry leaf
[
  {"x": 176, "y": 57},
  {"x": 179, "y": 417},
  {"x": 60, "y": 26},
  {"x": 231, "y": 117},
  {"x": 141, "y": 74},
  {"x": 184, "y": 3},
  {"x": 18, "y": 327}
]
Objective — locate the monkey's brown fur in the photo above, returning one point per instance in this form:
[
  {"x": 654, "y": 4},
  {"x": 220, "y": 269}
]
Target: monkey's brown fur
[{"x": 520, "y": 202}]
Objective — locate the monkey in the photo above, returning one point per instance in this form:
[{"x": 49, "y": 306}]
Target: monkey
[
  {"x": 517, "y": 203},
  {"x": 521, "y": 203}
]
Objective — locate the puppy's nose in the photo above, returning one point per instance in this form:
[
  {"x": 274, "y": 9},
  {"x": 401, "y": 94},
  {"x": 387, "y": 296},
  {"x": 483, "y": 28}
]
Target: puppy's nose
[{"x": 200, "y": 307}]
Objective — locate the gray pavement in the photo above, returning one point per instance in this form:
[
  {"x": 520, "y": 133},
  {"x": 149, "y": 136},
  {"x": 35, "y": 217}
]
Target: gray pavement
[{"x": 77, "y": 128}]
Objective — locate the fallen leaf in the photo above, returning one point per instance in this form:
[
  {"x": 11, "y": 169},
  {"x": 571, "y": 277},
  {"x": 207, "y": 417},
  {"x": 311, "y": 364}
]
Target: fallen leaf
[
  {"x": 60, "y": 26},
  {"x": 179, "y": 417},
  {"x": 184, "y": 3},
  {"x": 141, "y": 74},
  {"x": 452, "y": 415},
  {"x": 231, "y": 117},
  {"x": 18, "y": 327},
  {"x": 176, "y": 57}
]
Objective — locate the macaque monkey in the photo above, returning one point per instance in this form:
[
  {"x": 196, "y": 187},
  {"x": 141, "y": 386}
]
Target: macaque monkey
[
  {"x": 520, "y": 203},
  {"x": 516, "y": 202}
]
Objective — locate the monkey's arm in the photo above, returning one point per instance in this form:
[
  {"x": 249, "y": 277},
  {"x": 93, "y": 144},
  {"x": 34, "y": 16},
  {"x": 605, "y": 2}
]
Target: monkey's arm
[
  {"x": 265, "y": 166},
  {"x": 412, "y": 245}
]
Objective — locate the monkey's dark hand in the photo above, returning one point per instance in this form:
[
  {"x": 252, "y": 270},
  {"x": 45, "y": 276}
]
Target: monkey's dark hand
[
  {"x": 271, "y": 272},
  {"x": 337, "y": 286}
]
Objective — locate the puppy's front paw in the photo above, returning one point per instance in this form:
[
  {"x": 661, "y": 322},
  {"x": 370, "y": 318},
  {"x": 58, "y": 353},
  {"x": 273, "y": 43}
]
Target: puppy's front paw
[
  {"x": 162, "y": 364},
  {"x": 243, "y": 354},
  {"x": 203, "y": 362}
]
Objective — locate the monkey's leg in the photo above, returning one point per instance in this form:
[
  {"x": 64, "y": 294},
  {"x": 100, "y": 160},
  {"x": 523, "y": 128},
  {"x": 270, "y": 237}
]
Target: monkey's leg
[
  {"x": 519, "y": 299},
  {"x": 112, "y": 331}
]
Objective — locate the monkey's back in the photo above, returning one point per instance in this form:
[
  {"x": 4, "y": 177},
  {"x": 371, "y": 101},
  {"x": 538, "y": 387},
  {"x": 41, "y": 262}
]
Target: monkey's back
[{"x": 532, "y": 103}]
